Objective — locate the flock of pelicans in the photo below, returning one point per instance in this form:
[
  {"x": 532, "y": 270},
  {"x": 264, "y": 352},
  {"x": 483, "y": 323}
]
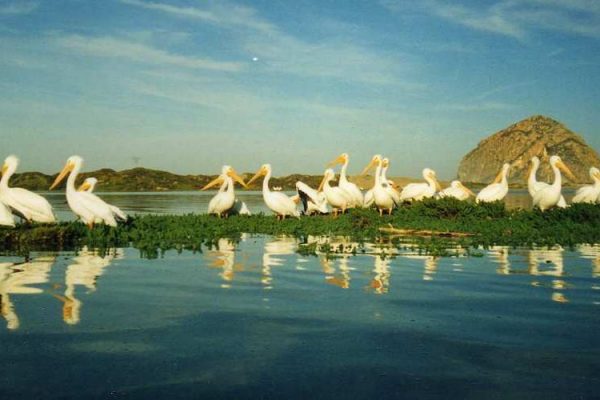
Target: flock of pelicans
[{"x": 384, "y": 195}]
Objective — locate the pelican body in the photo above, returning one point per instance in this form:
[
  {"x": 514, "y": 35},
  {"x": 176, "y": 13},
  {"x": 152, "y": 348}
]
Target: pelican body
[
  {"x": 278, "y": 202},
  {"x": 589, "y": 193},
  {"x": 87, "y": 206},
  {"x": 420, "y": 191},
  {"x": 458, "y": 191},
  {"x": 6, "y": 217},
  {"x": 337, "y": 197},
  {"x": 549, "y": 196},
  {"x": 356, "y": 196},
  {"x": 498, "y": 189},
  {"x": 313, "y": 201},
  {"x": 89, "y": 184},
  {"x": 383, "y": 198},
  {"x": 29, "y": 205},
  {"x": 534, "y": 186},
  {"x": 224, "y": 201}
]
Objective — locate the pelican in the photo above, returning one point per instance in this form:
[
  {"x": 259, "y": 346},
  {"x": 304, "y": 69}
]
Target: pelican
[
  {"x": 589, "y": 193},
  {"x": 337, "y": 197},
  {"x": 534, "y": 186},
  {"x": 24, "y": 203},
  {"x": 6, "y": 217},
  {"x": 498, "y": 189},
  {"x": 549, "y": 196},
  {"x": 88, "y": 185},
  {"x": 356, "y": 196},
  {"x": 278, "y": 202},
  {"x": 314, "y": 202},
  {"x": 420, "y": 191},
  {"x": 87, "y": 206},
  {"x": 369, "y": 200},
  {"x": 224, "y": 200},
  {"x": 382, "y": 197},
  {"x": 458, "y": 191},
  {"x": 388, "y": 184}
]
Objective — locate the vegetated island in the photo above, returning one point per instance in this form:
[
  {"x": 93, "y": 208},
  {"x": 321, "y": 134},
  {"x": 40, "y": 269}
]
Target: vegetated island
[{"x": 434, "y": 225}]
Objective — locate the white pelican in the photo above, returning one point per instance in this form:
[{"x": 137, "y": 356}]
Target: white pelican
[
  {"x": 89, "y": 184},
  {"x": 278, "y": 202},
  {"x": 224, "y": 200},
  {"x": 534, "y": 186},
  {"x": 240, "y": 208},
  {"x": 420, "y": 191},
  {"x": 369, "y": 200},
  {"x": 29, "y": 205},
  {"x": 314, "y": 202},
  {"x": 589, "y": 193},
  {"x": 87, "y": 206},
  {"x": 498, "y": 189},
  {"x": 389, "y": 185},
  {"x": 337, "y": 197},
  {"x": 458, "y": 191},
  {"x": 356, "y": 196},
  {"x": 549, "y": 196},
  {"x": 382, "y": 198}
]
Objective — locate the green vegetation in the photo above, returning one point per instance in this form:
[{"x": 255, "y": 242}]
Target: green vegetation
[{"x": 487, "y": 224}]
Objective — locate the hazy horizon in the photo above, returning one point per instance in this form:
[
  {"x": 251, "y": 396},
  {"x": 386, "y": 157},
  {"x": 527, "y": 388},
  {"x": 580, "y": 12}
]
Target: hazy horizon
[{"x": 186, "y": 86}]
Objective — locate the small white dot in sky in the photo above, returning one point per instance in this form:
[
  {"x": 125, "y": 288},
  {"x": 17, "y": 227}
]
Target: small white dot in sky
[{"x": 254, "y": 58}]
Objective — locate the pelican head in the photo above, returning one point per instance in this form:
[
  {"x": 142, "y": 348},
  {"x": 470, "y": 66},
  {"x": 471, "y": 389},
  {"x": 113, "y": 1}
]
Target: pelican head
[
  {"x": 595, "y": 174},
  {"x": 385, "y": 162},
  {"x": 227, "y": 170},
  {"x": 342, "y": 159},
  {"x": 88, "y": 185},
  {"x": 430, "y": 175},
  {"x": 73, "y": 162},
  {"x": 503, "y": 172},
  {"x": 460, "y": 185},
  {"x": 10, "y": 165},
  {"x": 557, "y": 162},
  {"x": 328, "y": 175},
  {"x": 262, "y": 171},
  {"x": 376, "y": 160}
]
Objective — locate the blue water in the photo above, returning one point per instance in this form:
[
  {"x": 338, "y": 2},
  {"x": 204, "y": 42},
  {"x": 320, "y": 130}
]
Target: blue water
[{"x": 257, "y": 320}]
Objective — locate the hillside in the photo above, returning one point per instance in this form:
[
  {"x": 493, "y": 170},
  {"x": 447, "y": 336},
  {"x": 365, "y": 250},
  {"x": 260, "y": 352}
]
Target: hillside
[{"x": 534, "y": 136}]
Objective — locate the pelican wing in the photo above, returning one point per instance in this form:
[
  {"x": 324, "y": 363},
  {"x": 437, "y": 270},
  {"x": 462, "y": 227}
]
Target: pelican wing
[
  {"x": 6, "y": 217},
  {"x": 29, "y": 204},
  {"x": 413, "y": 191},
  {"x": 281, "y": 204},
  {"x": 97, "y": 207},
  {"x": 587, "y": 194}
]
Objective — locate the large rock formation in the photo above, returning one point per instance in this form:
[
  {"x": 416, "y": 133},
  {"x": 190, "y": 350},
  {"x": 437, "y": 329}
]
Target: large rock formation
[{"x": 534, "y": 136}]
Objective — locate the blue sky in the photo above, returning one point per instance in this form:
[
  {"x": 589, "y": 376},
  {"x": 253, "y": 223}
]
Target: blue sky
[{"x": 187, "y": 86}]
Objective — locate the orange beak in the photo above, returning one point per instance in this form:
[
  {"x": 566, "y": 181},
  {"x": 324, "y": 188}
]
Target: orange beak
[
  {"x": 339, "y": 160},
  {"x": 68, "y": 168}
]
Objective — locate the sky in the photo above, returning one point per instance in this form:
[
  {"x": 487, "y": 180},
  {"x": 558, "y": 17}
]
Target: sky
[{"x": 187, "y": 86}]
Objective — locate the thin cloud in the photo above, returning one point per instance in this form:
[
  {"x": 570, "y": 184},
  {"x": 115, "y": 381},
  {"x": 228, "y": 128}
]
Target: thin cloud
[
  {"x": 117, "y": 48},
  {"x": 18, "y": 8},
  {"x": 476, "y": 107}
]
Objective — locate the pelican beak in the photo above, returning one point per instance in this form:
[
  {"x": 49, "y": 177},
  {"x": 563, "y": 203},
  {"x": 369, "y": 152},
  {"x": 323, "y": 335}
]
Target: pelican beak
[
  {"x": 237, "y": 178},
  {"x": 393, "y": 184},
  {"x": 255, "y": 177},
  {"x": 368, "y": 167},
  {"x": 84, "y": 187},
  {"x": 68, "y": 168},
  {"x": 385, "y": 163},
  {"x": 498, "y": 178},
  {"x": 339, "y": 160},
  {"x": 466, "y": 189},
  {"x": 597, "y": 175},
  {"x": 4, "y": 168},
  {"x": 437, "y": 184},
  {"x": 566, "y": 170},
  {"x": 217, "y": 181},
  {"x": 529, "y": 171},
  {"x": 322, "y": 183}
]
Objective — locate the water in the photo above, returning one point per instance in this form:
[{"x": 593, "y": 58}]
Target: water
[
  {"x": 197, "y": 201},
  {"x": 257, "y": 320}
]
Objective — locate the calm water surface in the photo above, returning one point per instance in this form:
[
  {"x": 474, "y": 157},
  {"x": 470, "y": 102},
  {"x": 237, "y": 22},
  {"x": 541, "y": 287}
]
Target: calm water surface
[
  {"x": 197, "y": 201},
  {"x": 255, "y": 319}
]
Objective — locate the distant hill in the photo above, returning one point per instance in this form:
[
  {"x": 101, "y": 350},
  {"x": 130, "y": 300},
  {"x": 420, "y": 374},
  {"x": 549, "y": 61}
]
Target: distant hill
[{"x": 534, "y": 136}]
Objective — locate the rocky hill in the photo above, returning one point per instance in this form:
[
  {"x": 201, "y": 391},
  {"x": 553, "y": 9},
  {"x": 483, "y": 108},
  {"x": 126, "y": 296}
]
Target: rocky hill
[{"x": 534, "y": 136}]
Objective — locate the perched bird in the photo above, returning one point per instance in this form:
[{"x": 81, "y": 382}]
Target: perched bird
[
  {"x": 533, "y": 185},
  {"x": 278, "y": 202},
  {"x": 388, "y": 184},
  {"x": 26, "y": 204},
  {"x": 90, "y": 208},
  {"x": 549, "y": 196},
  {"x": 589, "y": 193},
  {"x": 382, "y": 197},
  {"x": 313, "y": 201},
  {"x": 420, "y": 191},
  {"x": 223, "y": 202},
  {"x": 88, "y": 185},
  {"x": 498, "y": 189},
  {"x": 338, "y": 198},
  {"x": 457, "y": 190},
  {"x": 356, "y": 196}
]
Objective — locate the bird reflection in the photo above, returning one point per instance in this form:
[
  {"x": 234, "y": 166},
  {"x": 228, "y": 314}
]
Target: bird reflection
[
  {"x": 591, "y": 253},
  {"x": 84, "y": 271},
  {"x": 499, "y": 255},
  {"x": 223, "y": 258},
  {"x": 273, "y": 251},
  {"x": 15, "y": 278},
  {"x": 549, "y": 262},
  {"x": 335, "y": 259}
]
